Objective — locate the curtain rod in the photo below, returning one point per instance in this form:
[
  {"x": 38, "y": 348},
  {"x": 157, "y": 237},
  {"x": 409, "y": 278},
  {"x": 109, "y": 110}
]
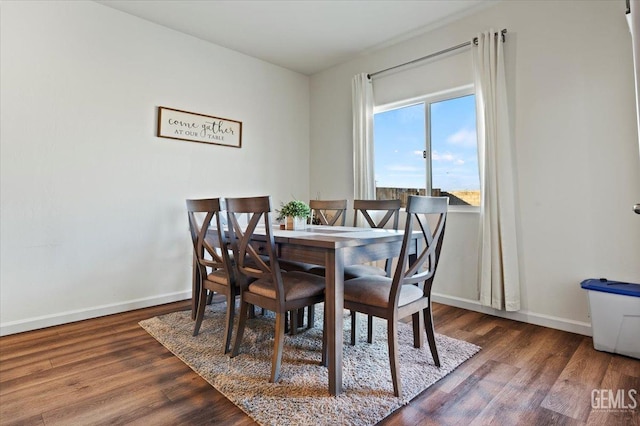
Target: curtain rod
[{"x": 441, "y": 52}]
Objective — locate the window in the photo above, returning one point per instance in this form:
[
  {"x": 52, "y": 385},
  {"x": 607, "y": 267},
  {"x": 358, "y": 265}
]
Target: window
[{"x": 428, "y": 146}]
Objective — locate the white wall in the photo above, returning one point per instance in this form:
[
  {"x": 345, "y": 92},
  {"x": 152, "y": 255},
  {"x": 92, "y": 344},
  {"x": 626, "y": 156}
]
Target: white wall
[
  {"x": 93, "y": 218},
  {"x": 92, "y": 214},
  {"x": 570, "y": 75}
]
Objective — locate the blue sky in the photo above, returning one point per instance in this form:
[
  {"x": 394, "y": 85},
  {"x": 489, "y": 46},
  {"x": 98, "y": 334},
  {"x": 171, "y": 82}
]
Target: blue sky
[{"x": 399, "y": 137}]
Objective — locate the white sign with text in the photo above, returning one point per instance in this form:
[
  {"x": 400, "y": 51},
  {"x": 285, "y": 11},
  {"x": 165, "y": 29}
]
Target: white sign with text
[{"x": 189, "y": 126}]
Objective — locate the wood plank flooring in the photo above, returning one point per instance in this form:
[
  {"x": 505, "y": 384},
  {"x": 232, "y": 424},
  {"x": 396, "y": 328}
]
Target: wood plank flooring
[{"x": 110, "y": 371}]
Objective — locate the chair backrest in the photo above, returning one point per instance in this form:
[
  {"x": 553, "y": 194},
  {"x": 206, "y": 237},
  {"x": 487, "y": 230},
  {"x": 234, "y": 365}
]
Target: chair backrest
[
  {"x": 250, "y": 260},
  {"x": 423, "y": 211},
  {"x": 329, "y": 212},
  {"x": 207, "y": 224},
  {"x": 367, "y": 207}
]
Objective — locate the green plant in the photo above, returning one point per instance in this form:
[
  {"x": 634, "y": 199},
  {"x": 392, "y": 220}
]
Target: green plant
[{"x": 294, "y": 208}]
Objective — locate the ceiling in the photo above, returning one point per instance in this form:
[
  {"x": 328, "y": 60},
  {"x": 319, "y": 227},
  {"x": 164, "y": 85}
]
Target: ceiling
[{"x": 305, "y": 36}]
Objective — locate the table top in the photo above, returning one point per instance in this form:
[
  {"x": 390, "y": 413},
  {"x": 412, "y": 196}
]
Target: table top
[{"x": 335, "y": 236}]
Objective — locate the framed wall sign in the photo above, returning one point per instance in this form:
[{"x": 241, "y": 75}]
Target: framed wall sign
[{"x": 190, "y": 126}]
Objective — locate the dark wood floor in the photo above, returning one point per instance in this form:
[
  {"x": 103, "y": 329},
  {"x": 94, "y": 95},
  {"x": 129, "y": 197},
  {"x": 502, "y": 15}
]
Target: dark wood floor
[{"x": 110, "y": 371}]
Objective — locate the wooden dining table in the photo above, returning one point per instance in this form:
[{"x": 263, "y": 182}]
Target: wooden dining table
[{"x": 334, "y": 247}]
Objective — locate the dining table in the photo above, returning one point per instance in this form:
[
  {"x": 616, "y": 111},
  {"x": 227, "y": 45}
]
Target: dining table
[{"x": 334, "y": 247}]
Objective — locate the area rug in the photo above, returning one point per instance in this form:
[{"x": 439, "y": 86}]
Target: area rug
[{"x": 301, "y": 396}]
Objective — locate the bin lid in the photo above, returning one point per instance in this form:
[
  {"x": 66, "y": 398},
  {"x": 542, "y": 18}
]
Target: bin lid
[{"x": 607, "y": 286}]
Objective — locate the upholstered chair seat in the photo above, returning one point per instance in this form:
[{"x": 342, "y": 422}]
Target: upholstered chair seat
[
  {"x": 375, "y": 290},
  {"x": 296, "y": 285}
]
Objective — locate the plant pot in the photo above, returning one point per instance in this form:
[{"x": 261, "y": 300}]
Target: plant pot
[{"x": 295, "y": 223}]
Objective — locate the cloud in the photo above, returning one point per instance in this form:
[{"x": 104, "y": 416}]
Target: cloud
[
  {"x": 463, "y": 137},
  {"x": 447, "y": 157}
]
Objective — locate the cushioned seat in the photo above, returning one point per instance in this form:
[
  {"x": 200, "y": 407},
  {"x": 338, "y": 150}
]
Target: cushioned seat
[
  {"x": 375, "y": 291},
  {"x": 292, "y": 266},
  {"x": 355, "y": 271},
  {"x": 297, "y": 285}
]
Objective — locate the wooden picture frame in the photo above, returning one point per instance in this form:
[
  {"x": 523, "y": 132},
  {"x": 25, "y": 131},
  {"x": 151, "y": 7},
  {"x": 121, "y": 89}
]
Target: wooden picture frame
[{"x": 194, "y": 127}]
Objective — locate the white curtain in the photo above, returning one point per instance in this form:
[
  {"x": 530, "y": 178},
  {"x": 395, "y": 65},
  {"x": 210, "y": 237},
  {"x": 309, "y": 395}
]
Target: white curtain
[
  {"x": 499, "y": 276},
  {"x": 363, "y": 173}
]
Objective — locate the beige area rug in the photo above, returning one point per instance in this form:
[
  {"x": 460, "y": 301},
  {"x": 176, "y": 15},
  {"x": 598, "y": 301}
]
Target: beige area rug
[{"x": 301, "y": 397}]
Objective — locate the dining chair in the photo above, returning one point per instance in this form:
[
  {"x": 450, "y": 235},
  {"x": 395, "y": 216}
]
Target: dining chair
[
  {"x": 323, "y": 212},
  {"x": 408, "y": 292},
  {"x": 376, "y": 214},
  {"x": 272, "y": 289},
  {"x": 390, "y": 209},
  {"x": 329, "y": 212},
  {"x": 213, "y": 264}
]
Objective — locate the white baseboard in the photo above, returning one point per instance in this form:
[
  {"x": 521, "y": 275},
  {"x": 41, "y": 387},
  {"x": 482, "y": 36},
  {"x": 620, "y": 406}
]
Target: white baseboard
[
  {"x": 563, "y": 324},
  {"x": 99, "y": 311},
  {"x": 29, "y": 324}
]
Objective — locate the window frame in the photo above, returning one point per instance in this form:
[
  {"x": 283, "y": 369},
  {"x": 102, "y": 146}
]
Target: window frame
[{"x": 427, "y": 100}]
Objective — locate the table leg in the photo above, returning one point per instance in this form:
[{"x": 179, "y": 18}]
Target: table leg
[{"x": 334, "y": 299}]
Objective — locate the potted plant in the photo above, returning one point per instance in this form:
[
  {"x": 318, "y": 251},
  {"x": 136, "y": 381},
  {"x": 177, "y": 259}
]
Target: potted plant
[{"x": 295, "y": 214}]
